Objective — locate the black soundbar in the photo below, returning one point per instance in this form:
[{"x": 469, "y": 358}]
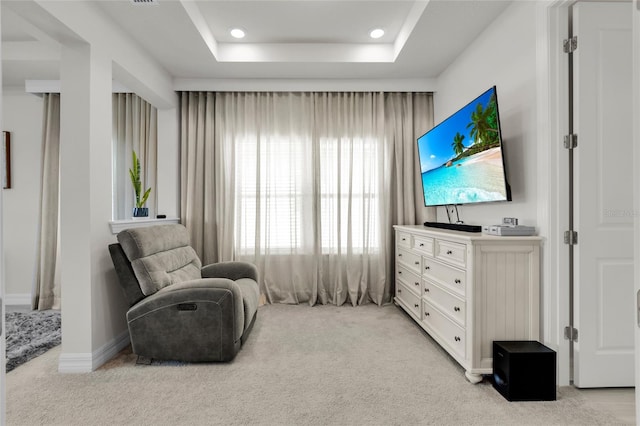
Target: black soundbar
[{"x": 454, "y": 226}]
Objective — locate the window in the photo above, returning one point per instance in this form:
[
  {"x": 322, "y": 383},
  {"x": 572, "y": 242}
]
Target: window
[{"x": 287, "y": 184}]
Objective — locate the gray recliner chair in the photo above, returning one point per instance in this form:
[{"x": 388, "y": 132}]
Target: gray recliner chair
[{"x": 180, "y": 310}]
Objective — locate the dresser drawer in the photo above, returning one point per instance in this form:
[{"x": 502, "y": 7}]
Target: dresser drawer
[
  {"x": 451, "y": 305},
  {"x": 409, "y": 279},
  {"x": 448, "y": 276},
  {"x": 450, "y": 252},
  {"x": 403, "y": 239},
  {"x": 451, "y": 334},
  {"x": 409, "y": 259},
  {"x": 424, "y": 245},
  {"x": 409, "y": 298}
]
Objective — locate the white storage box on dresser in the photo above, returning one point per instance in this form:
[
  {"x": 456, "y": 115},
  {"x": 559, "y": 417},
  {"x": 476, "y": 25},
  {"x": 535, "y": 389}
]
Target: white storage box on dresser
[{"x": 469, "y": 289}]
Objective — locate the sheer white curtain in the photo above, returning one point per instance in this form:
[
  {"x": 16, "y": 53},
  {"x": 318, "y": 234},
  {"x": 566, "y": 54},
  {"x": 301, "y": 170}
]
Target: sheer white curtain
[
  {"x": 46, "y": 294},
  {"x": 304, "y": 185},
  {"x": 134, "y": 128}
]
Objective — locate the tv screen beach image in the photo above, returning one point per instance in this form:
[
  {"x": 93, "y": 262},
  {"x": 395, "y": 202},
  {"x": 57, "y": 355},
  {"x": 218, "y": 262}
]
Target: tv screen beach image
[{"x": 461, "y": 158}]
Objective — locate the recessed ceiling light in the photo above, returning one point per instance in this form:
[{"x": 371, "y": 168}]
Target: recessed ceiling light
[
  {"x": 237, "y": 33},
  {"x": 376, "y": 33}
]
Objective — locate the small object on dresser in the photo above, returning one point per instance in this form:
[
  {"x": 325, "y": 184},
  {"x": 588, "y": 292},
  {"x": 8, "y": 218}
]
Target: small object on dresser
[{"x": 524, "y": 370}]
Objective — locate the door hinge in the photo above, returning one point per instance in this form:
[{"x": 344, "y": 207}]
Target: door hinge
[
  {"x": 571, "y": 237},
  {"x": 570, "y": 45},
  {"x": 571, "y": 141},
  {"x": 571, "y": 333}
]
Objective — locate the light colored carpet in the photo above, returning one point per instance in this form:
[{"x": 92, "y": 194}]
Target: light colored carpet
[{"x": 301, "y": 366}]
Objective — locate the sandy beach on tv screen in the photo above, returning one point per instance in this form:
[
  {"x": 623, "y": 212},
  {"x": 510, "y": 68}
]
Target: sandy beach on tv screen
[{"x": 492, "y": 155}]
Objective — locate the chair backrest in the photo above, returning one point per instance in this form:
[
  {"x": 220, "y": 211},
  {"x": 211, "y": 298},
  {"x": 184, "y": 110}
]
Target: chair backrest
[
  {"x": 126, "y": 277},
  {"x": 160, "y": 255}
]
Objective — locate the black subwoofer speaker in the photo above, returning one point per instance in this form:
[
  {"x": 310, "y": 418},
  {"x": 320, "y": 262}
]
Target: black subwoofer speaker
[{"x": 524, "y": 370}]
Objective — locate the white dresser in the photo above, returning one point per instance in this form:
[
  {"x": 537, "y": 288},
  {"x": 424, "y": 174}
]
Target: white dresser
[{"x": 469, "y": 289}]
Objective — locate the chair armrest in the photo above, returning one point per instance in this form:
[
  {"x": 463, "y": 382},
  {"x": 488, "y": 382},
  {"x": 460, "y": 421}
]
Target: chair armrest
[
  {"x": 230, "y": 270},
  {"x": 213, "y": 290}
]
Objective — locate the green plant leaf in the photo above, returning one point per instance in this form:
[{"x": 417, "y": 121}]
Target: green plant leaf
[
  {"x": 134, "y": 174},
  {"x": 145, "y": 197}
]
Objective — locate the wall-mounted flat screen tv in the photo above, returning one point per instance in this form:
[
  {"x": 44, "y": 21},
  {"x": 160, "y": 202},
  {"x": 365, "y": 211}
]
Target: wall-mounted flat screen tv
[{"x": 461, "y": 159}]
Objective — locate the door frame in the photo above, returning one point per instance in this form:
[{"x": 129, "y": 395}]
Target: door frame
[{"x": 553, "y": 189}]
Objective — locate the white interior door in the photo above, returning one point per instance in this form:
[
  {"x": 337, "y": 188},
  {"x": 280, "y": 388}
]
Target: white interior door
[{"x": 604, "y": 198}]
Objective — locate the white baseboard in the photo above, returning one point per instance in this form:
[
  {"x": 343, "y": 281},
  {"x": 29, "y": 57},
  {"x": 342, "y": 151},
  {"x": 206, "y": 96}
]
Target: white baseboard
[
  {"x": 17, "y": 299},
  {"x": 88, "y": 362}
]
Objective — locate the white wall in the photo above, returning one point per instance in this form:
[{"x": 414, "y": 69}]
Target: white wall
[
  {"x": 169, "y": 162},
  {"x": 22, "y": 116},
  {"x": 503, "y": 55}
]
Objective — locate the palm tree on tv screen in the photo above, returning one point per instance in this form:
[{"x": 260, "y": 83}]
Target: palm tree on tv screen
[
  {"x": 457, "y": 145},
  {"x": 484, "y": 126}
]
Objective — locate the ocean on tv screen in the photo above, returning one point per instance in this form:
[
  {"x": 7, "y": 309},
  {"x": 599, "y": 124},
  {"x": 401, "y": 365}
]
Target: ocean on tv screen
[{"x": 473, "y": 179}]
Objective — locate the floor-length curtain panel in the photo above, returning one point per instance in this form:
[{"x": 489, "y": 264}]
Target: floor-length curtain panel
[
  {"x": 367, "y": 175},
  {"x": 134, "y": 129},
  {"x": 197, "y": 186},
  {"x": 350, "y": 139},
  {"x": 407, "y": 116},
  {"x": 46, "y": 294},
  {"x": 265, "y": 148}
]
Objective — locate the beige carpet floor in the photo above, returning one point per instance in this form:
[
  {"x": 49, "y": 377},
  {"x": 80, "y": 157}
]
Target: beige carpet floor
[{"x": 301, "y": 366}]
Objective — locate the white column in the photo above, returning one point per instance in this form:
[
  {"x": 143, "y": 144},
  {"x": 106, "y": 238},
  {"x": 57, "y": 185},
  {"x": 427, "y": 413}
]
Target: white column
[{"x": 85, "y": 205}]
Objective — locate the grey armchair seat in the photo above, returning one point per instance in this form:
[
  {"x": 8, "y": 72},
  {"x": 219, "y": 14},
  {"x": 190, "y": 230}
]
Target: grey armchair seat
[{"x": 180, "y": 310}]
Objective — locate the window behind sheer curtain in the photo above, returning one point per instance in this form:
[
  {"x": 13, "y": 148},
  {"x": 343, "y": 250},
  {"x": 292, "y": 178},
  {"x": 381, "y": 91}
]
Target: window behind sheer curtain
[
  {"x": 349, "y": 194},
  {"x": 282, "y": 199},
  {"x": 274, "y": 196}
]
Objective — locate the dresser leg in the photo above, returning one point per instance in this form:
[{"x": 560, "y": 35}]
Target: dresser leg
[{"x": 473, "y": 378}]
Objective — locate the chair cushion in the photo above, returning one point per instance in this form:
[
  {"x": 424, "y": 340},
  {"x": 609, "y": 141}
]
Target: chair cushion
[{"x": 160, "y": 256}]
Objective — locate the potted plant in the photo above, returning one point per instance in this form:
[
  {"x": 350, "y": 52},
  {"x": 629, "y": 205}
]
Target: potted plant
[{"x": 139, "y": 210}]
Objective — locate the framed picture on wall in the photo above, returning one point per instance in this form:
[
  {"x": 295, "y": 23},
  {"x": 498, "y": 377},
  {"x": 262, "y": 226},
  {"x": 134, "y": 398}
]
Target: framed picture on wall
[{"x": 6, "y": 160}]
